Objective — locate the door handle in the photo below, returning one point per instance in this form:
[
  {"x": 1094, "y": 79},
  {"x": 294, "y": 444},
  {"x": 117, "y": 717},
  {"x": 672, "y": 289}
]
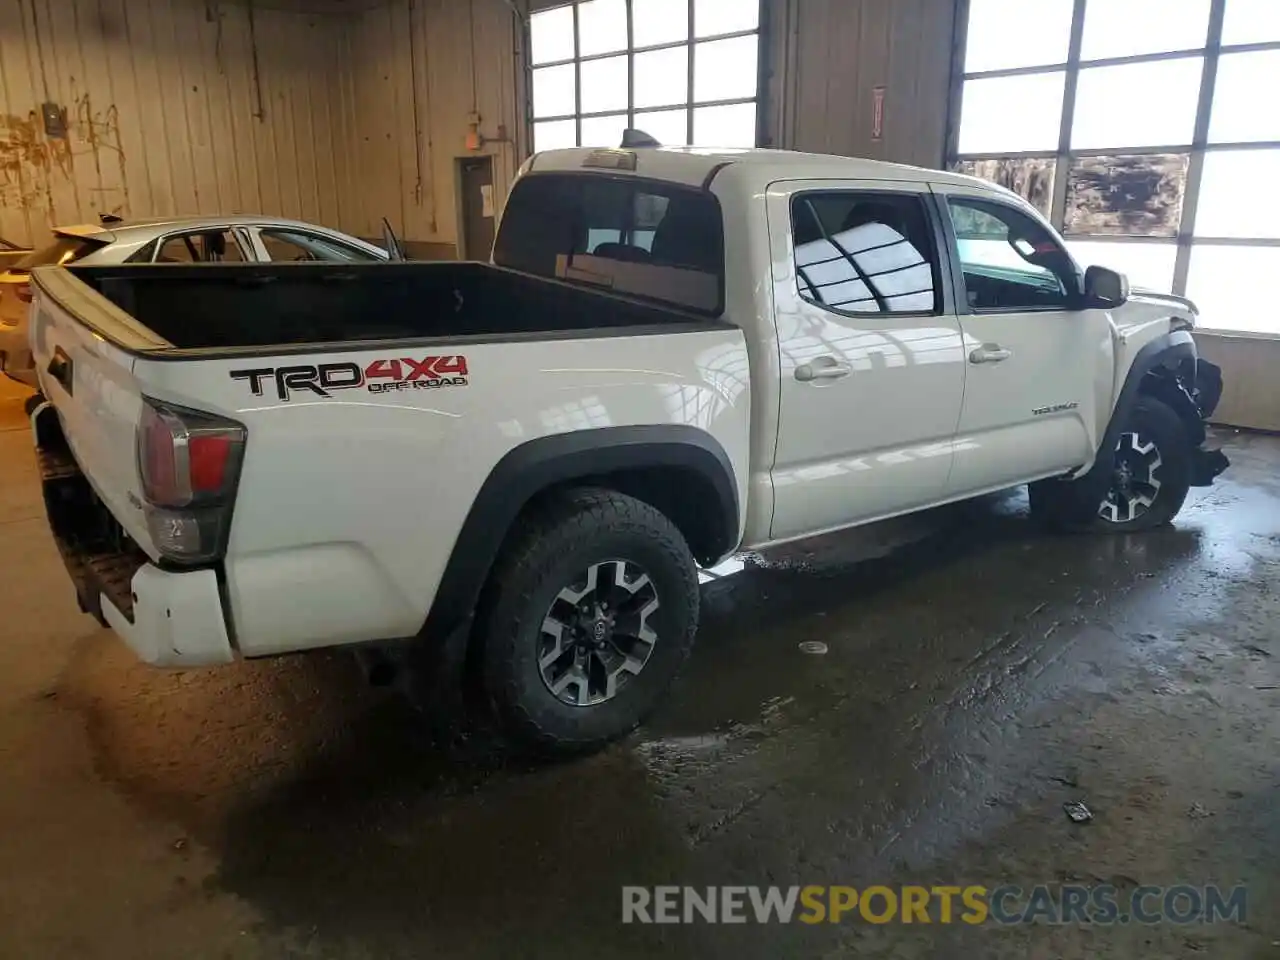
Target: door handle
[
  {"x": 822, "y": 368},
  {"x": 990, "y": 353}
]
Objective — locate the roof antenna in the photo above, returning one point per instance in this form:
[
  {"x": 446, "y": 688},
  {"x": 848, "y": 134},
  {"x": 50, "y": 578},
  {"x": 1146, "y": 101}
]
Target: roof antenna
[
  {"x": 637, "y": 138},
  {"x": 109, "y": 218}
]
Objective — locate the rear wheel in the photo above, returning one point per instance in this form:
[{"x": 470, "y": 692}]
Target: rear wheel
[
  {"x": 589, "y": 617},
  {"x": 1148, "y": 483}
]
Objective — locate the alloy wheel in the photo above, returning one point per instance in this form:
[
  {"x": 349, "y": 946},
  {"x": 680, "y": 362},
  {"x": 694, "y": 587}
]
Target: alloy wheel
[
  {"x": 596, "y": 636},
  {"x": 1134, "y": 484}
]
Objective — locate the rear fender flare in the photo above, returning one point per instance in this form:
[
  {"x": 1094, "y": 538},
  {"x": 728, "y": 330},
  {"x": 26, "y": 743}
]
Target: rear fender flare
[{"x": 547, "y": 462}]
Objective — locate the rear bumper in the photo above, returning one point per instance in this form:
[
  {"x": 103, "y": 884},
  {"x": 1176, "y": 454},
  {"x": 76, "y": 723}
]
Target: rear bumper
[{"x": 168, "y": 618}]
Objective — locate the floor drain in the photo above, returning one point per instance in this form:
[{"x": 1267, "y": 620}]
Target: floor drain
[{"x": 814, "y": 648}]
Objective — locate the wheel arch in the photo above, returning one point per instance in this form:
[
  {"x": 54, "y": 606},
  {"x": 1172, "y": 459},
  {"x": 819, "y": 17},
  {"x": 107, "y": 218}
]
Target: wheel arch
[
  {"x": 680, "y": 470},
  {"x": 1154, "y": 372}
]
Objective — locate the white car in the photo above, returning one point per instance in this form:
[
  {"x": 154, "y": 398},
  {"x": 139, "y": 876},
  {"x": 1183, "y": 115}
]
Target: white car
[
  {"x": 239, "y": 239},
  {"x": 515, "y": 469}
]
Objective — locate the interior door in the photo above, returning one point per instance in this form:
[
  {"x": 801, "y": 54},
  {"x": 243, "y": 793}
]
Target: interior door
[
  {"x": 475, "y": 176},
  {"x": 1036, "y": 362},
  {"x": 872, "y": 372}
]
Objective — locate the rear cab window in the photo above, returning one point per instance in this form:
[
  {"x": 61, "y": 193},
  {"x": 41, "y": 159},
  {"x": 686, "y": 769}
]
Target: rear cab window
[{"x": 656, "y": 241}]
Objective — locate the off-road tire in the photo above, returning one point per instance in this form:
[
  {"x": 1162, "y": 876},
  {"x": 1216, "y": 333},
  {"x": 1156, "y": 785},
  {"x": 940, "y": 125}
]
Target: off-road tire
[
  {"x": 561, "y": 536},
  {"x": 1061, "y": 505}
]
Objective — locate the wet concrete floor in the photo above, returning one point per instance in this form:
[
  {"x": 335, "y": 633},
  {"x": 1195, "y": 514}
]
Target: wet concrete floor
[{"x": 978, "y": 675}]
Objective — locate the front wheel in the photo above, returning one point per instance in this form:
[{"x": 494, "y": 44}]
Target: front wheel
[
  {"x": 590, "y": 615},
  {"x": 1148, "y": 483}
]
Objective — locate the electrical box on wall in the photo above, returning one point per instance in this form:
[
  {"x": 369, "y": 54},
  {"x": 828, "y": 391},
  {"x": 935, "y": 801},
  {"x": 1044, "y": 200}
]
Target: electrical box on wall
[{"x": 475, "y": 139}]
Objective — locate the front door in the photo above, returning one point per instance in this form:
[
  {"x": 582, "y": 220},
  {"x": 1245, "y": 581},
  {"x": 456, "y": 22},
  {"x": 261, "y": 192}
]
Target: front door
[
  {"x": 1036, "y": 362},
  {"x": 872, "y": 373}
]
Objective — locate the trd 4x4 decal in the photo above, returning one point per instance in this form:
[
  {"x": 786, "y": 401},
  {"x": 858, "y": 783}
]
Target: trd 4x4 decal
[{"x": 381, "y": 376}]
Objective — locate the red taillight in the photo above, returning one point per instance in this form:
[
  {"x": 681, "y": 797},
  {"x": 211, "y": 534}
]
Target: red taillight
[
  {"x": 23, "y": 292},
  {"x": 208, "y": 457},
  {"x": 189, "y": 463}
]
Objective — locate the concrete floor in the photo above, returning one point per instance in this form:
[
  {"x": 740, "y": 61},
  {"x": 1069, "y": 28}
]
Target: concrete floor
[{"x": 976, "y": 670}]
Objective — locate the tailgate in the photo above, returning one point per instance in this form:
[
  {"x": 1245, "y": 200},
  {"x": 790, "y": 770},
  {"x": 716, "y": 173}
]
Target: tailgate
[{"x": 90, "y": 383}]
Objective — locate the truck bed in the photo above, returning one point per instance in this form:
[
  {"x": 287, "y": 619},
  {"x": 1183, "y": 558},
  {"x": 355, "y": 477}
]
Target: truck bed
[{"x": 224, "y": 306}]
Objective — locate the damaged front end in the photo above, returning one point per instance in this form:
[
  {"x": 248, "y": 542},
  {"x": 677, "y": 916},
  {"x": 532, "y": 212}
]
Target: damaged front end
[{"x": 1205, "y": 392}]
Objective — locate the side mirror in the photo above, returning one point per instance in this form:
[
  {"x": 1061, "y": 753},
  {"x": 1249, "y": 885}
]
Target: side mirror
[{"x": 1104, "y": 289}]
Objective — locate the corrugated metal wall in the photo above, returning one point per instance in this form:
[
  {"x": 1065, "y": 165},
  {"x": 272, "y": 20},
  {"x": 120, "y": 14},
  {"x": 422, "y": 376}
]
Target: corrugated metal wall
[
  {"x": 420, "y": 68},
  {"x": 172, "y": 107},
  {"x": 826, "y": 57},
  {"x": 359, "y": 109}
]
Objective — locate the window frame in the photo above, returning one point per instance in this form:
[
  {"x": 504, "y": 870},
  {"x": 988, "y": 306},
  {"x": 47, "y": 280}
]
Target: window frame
[
  {"x": 690, "y": 104},
  {"x": 247, "y": 252},
  {"x": 1074, "y": 297},
  {"x": 1061, "y": 156},
  {"x": 939, "y": 263}
]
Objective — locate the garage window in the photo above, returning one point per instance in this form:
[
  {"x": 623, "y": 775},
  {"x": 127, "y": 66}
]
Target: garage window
[
  {"x": 1139, "y": 134},
  {"x": 684, "y": 71}
]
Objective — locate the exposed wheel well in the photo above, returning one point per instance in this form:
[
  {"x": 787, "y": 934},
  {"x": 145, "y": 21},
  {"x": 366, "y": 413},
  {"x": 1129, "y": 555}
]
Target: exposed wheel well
[
  {"x": 684, "y": 495},
  {"x": 1172, "y": 385}
]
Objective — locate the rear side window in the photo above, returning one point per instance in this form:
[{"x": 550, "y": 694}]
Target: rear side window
[
  {"x": 865, "y": 252},
  {"x": 656, "y": 241},
  {"x": 62, "y": 251}
]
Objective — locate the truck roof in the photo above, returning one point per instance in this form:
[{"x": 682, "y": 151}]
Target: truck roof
[{"x": 694, "y": 165}]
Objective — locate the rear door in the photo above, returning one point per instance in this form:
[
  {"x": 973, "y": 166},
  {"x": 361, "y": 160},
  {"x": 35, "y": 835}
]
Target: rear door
[
  {"x": 872, "y": 374},
  {"x": 1035, "y": 359},
  {"x": 90, "y": 383}
]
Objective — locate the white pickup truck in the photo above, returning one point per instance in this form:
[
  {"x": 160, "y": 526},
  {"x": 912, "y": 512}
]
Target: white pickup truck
[{"x": 516, "y": 468}]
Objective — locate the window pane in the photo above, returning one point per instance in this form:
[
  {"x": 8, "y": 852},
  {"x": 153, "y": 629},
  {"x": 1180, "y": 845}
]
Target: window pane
[
  {"x": 603, "y": 131},
  {"x": 725, "y": 69},
  {"x": 668, "y": 127},
  {"x": 1002, "y": 35},
  {"x": 602, "y": 26},
  {"x": 1123, "y": 28},
  {"x": 661, "y": 242},
  {"x": 863, "y": 254},
  {"x": 551, "y": 35},
  {"x": 659, "y": 21},
  {"x": 1241, "y": 79},
  {"x": 662, "y": 77},
  {"x": 1236, "y": 198},
  {"x": 1010, "y": 261},
  {"x": 604, "y": 84},
  {"x": 553, "y": 91},
  {"x": 711, "y": 17},
  {"x": 1228, "y": 284},
  {"x": 1029, "y": 177},
  {"x": 1251, "y": 21},
  {"x": 1136, "y": 196},
  {"x": 554, "y": 135},
  {"x": 1147, "y": 265},
  {"x": 1011, "y": 113},
  {"x": 731, "y": 126},
  {"x": 1137, "y": 104}
]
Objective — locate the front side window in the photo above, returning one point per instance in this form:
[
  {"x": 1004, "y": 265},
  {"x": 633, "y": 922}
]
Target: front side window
[
  {"x": 1010, "y": 261},
  {"x": 656, "y": 241},
  {"x": 282, "y": 245},
  {"x": 864, "y": 252}
]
